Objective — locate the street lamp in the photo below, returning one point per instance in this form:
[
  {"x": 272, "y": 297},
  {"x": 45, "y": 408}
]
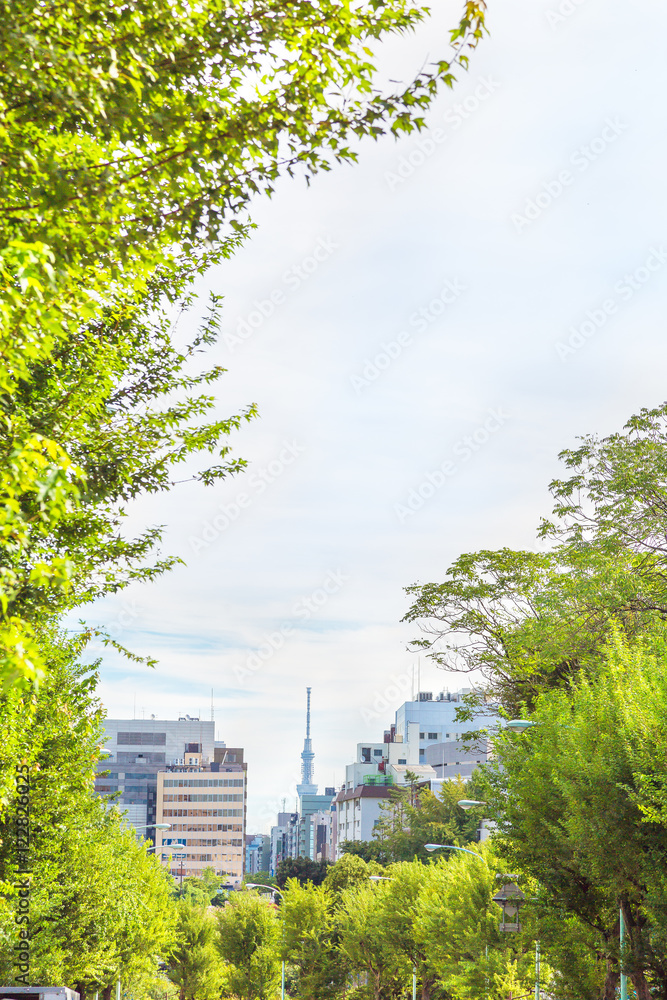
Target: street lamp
[
  {"x": 166, "y": 847},
  {"x": 156, "y": 826},
  {"x": 384, "y": 878},
  {"x": 271, "y": 888},
  {"x": 469, "y": 803},
  {"x": 519, "y": 725},
  {"x": 452, "y": 847}
]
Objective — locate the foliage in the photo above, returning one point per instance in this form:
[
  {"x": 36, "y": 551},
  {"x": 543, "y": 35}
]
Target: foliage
[
  {"x": 303, "y": 870},
  {"x": 203, "y": 890},
  {"x": 530, "y": 621},
  {"x": 101, "y": 908},
  {"x": 414, "y": 817},
  {"x": 349, "y": 871},
  {"x": 194, "y": 963},
  {"x": 367, "y": 850},
  {"x": 133, "y": 139},
  {"x": 310, "y": 940},
  {"x": 248, "y": 941},
  {"x": 580, "y": 802}
]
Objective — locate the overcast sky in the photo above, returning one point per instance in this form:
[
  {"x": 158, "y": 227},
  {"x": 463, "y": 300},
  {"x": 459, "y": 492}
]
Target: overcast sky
[{"x": 422, "y": 334}]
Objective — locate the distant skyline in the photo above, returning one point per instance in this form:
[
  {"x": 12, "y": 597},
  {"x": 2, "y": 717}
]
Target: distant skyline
[{"x": 423, "y": 333}]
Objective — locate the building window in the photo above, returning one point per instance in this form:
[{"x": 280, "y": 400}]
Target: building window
[
  {"x": 402, "y": 760},
  {"x": 366, "y": 755},
  {"x": 422, "y": 753},
  {"x": 142, "y": 739},
  {"x": 448, "y": 735},
  {"x": 433, "y": 736},
  {"x": 377, "y": 753},
  {"x": 421, "y": 736}
]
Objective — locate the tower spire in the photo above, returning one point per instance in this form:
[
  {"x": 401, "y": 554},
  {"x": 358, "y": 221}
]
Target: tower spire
[{"x": 307, "y": 786}]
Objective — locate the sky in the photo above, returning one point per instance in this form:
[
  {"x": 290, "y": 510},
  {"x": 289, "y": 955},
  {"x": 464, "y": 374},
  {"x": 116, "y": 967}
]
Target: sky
[{"x": 422, "y": 333}]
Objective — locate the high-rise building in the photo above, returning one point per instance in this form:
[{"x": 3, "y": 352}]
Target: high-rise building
[
  {"x": 257, "y": 853},
  {"x": 284, "y": 839},
  {"x": 136, "y": 749},
  {"x": 205, "y": 804},
  {"x": 175, "y": 772}
]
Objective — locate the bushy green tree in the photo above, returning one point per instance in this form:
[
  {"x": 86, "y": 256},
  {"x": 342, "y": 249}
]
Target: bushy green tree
[
  {"x": 249, "y": 941},
  {"x": 194, "y": 962},
  {"x": 133, "y": 140},
  {"x": 529, "y": 621},
  {"x": 579, "y": 801},
  {"x": 101, "y": 908},
  {"x": 309, "y": 940},
  {"x": 303, "y": 870},
  {"x": 413, "y": 817}
]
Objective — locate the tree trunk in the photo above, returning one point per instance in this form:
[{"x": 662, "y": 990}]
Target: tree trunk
[
  {"x": 611, "y": 982},
  {"x": 81, "y": 990},
  {"x": 106, "y": 993},
  {"x": 641, "y": 986},
  {"x": 427, "y": 986}
]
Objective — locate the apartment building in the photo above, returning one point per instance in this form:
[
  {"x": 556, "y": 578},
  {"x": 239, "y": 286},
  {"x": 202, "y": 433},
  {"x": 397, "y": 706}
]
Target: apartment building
[
  {"x": 136, "y": 750},
  {"x": 205, "y": 803}
]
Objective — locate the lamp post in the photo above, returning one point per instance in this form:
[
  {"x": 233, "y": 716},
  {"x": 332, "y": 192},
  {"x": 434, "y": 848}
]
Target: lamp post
[
  {"x": 166, "y": 847},
  {"x": 384, "y": 878},
  {"x": 271, "y": 888}
]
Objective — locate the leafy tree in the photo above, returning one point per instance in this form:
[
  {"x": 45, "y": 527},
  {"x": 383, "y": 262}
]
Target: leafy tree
[
  {"x": 349, "y": 871},
  {"x": 310, "y": 940},
  {"x": 414, "y": 817},
  {"x": 303, "y": 870},
  {"x": 579, "y": 802},
  {"x": 194, "y": 963},
  {"x": 371, "y": 956},
  {"x": 203, "y": 890},
  {"x": 530, "y": 621},
  {"x": 367, "y": 850},
  {"x": 457, "y": 928},
  {"x": 101, "y": 907},
  {"x": 133, "y": 141},
  {"x": 249, "y": 940}
]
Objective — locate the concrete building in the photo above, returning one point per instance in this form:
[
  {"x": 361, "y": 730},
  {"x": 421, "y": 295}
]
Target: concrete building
[
  {"x": 377, "y": 768},
  {"x": 257, "y": 853},
  {"x": 137, "y": 749},
  {"x": 436, "y": 721},
  {"x": 424, "y": 739},
  {"x": 284, "y": 839},
  {"x": 205, "y": 803},
  {"x": 314, "y": 824}
]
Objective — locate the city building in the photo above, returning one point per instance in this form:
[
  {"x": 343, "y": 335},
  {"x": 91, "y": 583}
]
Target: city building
[
  {"x": 205, "y": 803},
  {"x": 425, "y": 740},
  {"x": 378, "y": 767},
  {"x": 436, "y": 720},
  {"x": 136, "y": 749},
  {"x": 257, "y": 853},
  {"x": 314, "y": 824},
  {"x": 284, "y": 839}
]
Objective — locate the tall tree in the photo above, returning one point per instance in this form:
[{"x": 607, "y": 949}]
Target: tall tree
[{"x": 133, "y": 141}]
